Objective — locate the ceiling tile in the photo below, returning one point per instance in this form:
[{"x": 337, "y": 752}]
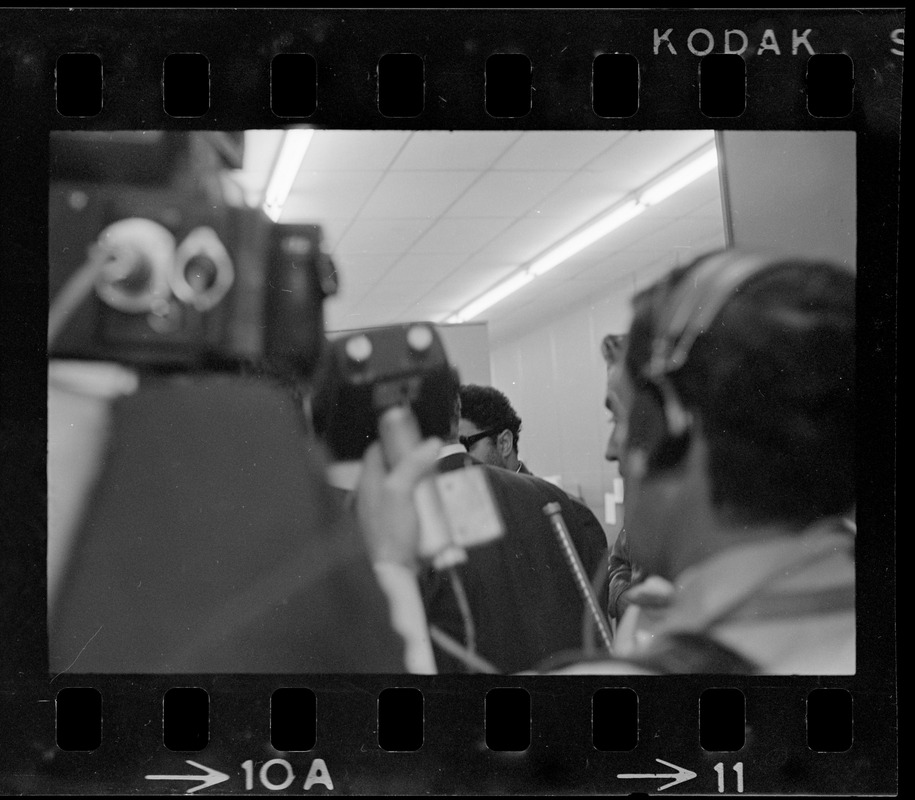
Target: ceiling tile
[
  {"x": 610, "y": 268},
  {"x": 641, "y": 156},
  {"x": 635, "y": 232},
  {"x": 389, "y": 300},
  {"x": 353, "y": 150},
  {"x": 506, "y": 194},
  {"x": 458, "y": 235},
  {"x": 418, "y": 194},
  {"x": 420, "y": 223},
  {"x": 580, "y": 199},
  {"x": 422, "y": 311},
  {"x": 541, "y": 305},
  {"x": 393, "y": 236},
  {"x": 485, "y": 260},
  {"x": 340, "y": 315},
  {"x": 556, "y": 150},
  {"x": 447, "y": 150},
  {"x": 387, "y": 291},
  {"x": 317, "y": 195},
  {"x": 348, "y": 319},
  {"x": 700, "y": 194},
  {"x": 331, "y": 229},
  {"x": 420, "y": 267},
  {"x": 525, "y": 239},
  {"x": 363, "y": 269},
  {"x": 482, "y": 267},
  {"x": 459, "y": 289}
]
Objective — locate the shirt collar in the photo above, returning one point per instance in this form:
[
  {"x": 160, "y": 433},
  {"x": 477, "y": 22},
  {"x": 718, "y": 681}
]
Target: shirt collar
[
  {"x": 704, "y": 589},
  {"x": 451, "y": 449},
  {"x": 345, "y": 474}
]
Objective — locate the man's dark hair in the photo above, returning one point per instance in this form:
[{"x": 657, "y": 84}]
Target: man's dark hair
[
  {"x": 773, "y": 381},
  {"x": 489, "y": 409}
]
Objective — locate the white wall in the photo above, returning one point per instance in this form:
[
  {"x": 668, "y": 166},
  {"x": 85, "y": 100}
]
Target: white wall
[
  {"x": 555, "y": 377},
  {"x": 794, "y": 190},
  {"x": 467, "y": 346}
]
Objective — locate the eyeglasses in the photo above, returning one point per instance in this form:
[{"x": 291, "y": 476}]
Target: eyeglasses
[{"x": 470, "y": 441}]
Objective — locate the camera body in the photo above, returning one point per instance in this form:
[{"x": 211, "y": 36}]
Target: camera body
[
  {"x": 180, "y": 278},
  {"x": 369, "y": 371}
]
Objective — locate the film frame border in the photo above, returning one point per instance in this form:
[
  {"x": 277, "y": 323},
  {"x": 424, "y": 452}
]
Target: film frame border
[{"x": 347, "y": 46}]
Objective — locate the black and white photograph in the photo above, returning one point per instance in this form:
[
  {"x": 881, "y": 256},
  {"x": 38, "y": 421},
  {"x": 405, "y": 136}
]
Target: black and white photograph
[
  {"x": 233, "y": 315},
  {"x": 449, "y": 401}
]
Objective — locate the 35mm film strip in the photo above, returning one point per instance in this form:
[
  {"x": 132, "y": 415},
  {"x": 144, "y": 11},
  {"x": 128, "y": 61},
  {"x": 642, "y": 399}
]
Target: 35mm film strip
[{"x": 448, "y": 70}]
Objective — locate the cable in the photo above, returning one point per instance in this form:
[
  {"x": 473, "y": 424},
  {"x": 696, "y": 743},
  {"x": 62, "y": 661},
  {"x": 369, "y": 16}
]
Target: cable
[
  {"x": 470, "y": 632},
  {"x": 74, "y": 292},
  {"x": 471, "y": 660}
]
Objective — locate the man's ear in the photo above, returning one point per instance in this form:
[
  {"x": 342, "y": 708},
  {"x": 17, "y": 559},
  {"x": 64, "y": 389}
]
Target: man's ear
[{"x": 506, "y": 443}]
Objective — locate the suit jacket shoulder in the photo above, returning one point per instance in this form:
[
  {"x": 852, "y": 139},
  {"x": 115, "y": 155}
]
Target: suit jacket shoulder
[{"x": 522, "y": 594}]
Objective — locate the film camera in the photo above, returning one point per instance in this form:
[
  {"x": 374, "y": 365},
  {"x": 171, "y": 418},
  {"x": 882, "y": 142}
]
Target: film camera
[
  {"x": 369, "y": 371},
  {"x": 151, "y": 266}
]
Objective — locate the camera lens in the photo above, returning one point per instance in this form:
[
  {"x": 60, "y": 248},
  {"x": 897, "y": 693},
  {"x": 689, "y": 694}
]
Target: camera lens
[
  {"x": 136, "y": 280},
  {"x": 359, "y": 348},
  {"x": 201, "y": 273},
  {"x": 419, "y": 338}
]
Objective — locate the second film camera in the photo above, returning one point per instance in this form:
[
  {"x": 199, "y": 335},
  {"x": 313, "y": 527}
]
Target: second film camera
[
  {"x": 369, "y": 371},
  {"x": 372, "y": 370}
]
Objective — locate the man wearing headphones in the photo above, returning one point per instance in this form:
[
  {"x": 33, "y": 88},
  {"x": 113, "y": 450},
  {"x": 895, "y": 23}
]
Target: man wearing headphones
[
  {"x": 740, "y": 383},
  {"x": 739, "y": 390},
  {"x": 626, "y": 584}
]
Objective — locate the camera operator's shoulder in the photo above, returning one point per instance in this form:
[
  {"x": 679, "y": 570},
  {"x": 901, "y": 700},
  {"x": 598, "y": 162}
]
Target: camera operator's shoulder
[{"x": 607, "y": 667}]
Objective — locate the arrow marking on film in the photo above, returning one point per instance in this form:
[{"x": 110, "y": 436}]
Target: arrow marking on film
[
  {"x": 680, "y": 776},
  {"x": 211, "y": 778}
]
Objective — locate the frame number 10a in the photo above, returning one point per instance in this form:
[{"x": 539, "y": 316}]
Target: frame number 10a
[{"x": 277, "y": 775}]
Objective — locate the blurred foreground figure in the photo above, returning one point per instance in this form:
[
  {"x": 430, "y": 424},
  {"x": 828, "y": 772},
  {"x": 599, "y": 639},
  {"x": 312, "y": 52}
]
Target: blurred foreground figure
[
  {"x": 213, "y": 544},
  {"x": 191, "y": 528},
  {"x": 738, "y": 453}
]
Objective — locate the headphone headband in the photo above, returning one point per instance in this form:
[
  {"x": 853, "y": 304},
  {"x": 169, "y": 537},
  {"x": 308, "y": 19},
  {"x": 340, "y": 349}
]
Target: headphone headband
[
  {"x": 696, "y": 303},
  {"x": 688, "y": 311}
]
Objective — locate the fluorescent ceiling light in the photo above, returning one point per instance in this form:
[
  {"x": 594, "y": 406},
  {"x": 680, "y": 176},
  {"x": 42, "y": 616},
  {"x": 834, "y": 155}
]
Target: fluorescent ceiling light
[
  {"x": 493, "y": 296},
  {"x": 292, "y": 152},
  {"x": 680, "y": 178},
  {"x": 575, "y": 244},
  {"x": 655, "y": 193}
]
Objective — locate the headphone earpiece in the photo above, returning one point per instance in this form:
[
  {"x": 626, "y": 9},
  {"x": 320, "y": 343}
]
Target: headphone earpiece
[{"x": 660, "y": 427}]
